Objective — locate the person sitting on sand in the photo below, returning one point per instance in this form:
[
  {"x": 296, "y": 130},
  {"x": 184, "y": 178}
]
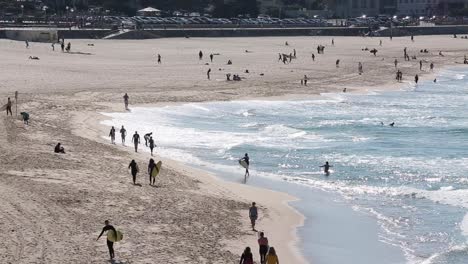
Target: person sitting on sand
[
  {"x": 68, "y": 48},
  {"x": 59, "y": 149},
  {"x": 33, "y": 58},
  {"x": 253, "y": 215},
  {"x": 272, "y": 258},
  {"x": 263, "y": 244},
  {"x": 247, "y": 257},
  {"x": 133, "y": 166},
  {"x": 286, "y": 43},
  {"x": 326, "y": 168},
  {"x": 440, "y": 54},
  {"x": 229, "y": 62},
  {"x": 305, "y": 80}
]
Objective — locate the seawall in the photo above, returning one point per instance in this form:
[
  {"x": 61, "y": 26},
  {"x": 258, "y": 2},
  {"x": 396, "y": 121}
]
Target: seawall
[{"x": 230, "y": 32}]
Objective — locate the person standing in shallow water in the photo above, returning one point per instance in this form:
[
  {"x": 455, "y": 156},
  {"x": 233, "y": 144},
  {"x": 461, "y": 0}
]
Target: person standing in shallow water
[
  {"x": 326, "y": 168},
  {"x": 134, "y": 170},
  {"x": 151, "y": 145},
  {"x": 123, "y": 134},
  {"x": 110, "y": 245},
  {"x": 136, "y": 140},
  {"x": 112, "y": 135},
  {"x": 125, "y": 97}
]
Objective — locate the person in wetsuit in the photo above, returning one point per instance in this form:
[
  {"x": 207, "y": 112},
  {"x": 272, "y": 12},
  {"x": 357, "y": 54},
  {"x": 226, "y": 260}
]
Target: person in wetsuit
[
  {"x": 110, "y": 244},
  {"x": 151, "y": 145},
  {"x": 8, "y": 107},
  {"x": 326, "y": 168},
  {"x": 59, "y": 149},
  {"x": 134, "y": 170},
  {"x": 147, "y": 137},
  {"x": 246, "y": 159},
  {"x": 112, "y": 135},
  {"x": 151, "y": 167},
  {"x": 136, "y": 140},
  {"x": 123, "y": 133}
]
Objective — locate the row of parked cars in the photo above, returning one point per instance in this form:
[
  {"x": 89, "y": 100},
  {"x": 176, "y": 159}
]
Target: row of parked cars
[{"x": 141, "y": 20}]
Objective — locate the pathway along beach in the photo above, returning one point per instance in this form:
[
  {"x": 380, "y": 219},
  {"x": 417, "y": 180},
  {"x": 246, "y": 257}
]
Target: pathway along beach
[{"x": 53, "y": 205}]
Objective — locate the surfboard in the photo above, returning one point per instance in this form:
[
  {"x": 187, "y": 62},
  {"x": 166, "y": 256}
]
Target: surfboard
[
  {"x": 244, "y": 164},
  {"x": 156, "y": 171},
  {"x": 114, "y": 238}
]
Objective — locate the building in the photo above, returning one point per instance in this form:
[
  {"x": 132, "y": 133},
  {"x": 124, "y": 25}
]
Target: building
[
  {"x": 356, "y": 8},
  {"x": 418, "y": 7}
]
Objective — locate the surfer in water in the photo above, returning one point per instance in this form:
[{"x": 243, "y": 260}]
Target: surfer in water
[
  {"x": 110, "y": 244},
  {"x": 326, "y": 168},
  {"x": 246, "y": 159},
  {"x": 136, "y": 140},
  {"x": 125, "y": 97},
  {"x": 134, "y": 170}
]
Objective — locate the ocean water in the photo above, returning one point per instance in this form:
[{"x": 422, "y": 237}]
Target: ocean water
[{"x": 411, "y": 179}]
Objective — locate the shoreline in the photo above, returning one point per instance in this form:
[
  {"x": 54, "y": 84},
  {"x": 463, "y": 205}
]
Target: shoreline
[{"x": 287, "y": 219}]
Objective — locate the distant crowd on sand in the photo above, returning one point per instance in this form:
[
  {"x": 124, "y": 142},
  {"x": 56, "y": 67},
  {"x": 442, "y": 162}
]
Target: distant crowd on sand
[{"x": 267, "y": 253}]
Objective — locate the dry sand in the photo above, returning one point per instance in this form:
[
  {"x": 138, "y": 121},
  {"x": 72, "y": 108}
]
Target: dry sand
[{"x": 53, "y": 206}]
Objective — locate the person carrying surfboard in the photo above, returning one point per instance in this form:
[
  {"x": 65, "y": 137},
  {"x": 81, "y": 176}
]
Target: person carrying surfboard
[
  {"x": 326, "y": 168},
  {"x": 110, "y": 244},
  {"x": 246, "y": 159},
  {"x": 153, "y": 171}
]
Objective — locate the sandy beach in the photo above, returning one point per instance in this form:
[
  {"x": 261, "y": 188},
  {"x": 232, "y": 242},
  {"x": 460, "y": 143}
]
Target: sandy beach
[{"x": 53, "y": 206}]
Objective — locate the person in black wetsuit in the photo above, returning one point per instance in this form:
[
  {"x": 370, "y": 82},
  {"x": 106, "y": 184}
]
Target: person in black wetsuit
[
  {"x": 151, "y": 145},
  {"x": 147, "y": 137},
  {"x": 246, "y": 159},
  {"x": 134, "y": 170},
  {"x": 326, "y": 168},
  {"x": 136, "y": 140},
  {"x": 110, "y": 244},
  {"x": 152, "y": 166},
  {"x": 59, "y": 149}
]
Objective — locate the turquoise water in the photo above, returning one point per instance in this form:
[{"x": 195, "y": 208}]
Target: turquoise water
[{"x": 411, "y": 178}]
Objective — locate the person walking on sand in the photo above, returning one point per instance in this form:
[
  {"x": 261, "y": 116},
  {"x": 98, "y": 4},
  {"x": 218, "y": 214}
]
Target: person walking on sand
[
  {"x": 27, "y": 44},
  {"x": 151, "y": 145},
  {"x": 294, "y": 53},
  {"x": 246, "y": 257},
  {"x": 360, "y": 68},
  {"x": 263, "y": 244},
  {"x": 123, "y": 134},
  {"x": 110, "y": 245},
  {"x": 431, "y": 66},
  {"x": 208, "y": 73},
  {"x": 337, "y": 63},
  {"x": 62, "y": 46},
  {"x": 152, "y": 170},
  {"x": 380, "y": 44},
  {"x": 416, "y": 79},
  {"x": 159, "y": 59},
  {"x": 396, "y": 63},
  {"x": 53, "y": 46},
  {"x": 136, "y": 140},
  {"x": 125, "y": 97},
  {"x": 326, "y": 168},
  {"x": 253, "y": 215},
  {"x": 305, "y": 80},
  {"x": 272, "y": 258},
  {"x": 420, "y": 65},
  {"x": 333, "y": 42},
  {"x": 112, "y": 134},
  {"x": 211, "y": 57},
  {"x": 134, "y": 170},
  {"x": 8, "y": 107},
  {"x": 200, "y": 55}
]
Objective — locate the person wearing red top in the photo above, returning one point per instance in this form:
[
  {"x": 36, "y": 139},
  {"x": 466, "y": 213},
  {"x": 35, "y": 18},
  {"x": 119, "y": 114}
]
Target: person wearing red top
[{"x": 263, "y": 244}]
